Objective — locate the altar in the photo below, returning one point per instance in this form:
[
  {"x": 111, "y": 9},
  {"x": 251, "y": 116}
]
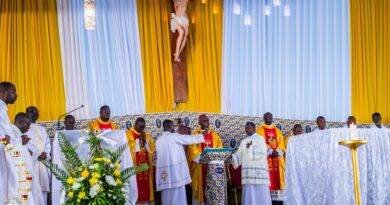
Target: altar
[
  {"x": 110, "y": 140},
  {"x": 319, "y": 170}
]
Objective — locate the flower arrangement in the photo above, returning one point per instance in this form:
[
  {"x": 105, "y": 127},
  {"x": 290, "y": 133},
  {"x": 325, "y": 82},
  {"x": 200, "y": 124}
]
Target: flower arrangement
[{"x": 94, "y": 181}]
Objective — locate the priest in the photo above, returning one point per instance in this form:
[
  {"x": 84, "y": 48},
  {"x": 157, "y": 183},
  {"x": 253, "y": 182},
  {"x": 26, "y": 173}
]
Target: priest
[
  {"x": 142, "y": 148},
  {"x": 20, "y": 164},
  {"x": 7, "y": 96},
  {"x": 275, "y": 151},
  {"x": 252, "y": 157},
  {"x": 41, "y": 141},
  {"x": 172, "y": 172},
  {"x": 199, "y": 171},
  {"x": 103, "y": 122}
]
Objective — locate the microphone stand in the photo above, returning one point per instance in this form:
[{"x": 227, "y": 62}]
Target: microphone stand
[{"x": 59, "y": 118}]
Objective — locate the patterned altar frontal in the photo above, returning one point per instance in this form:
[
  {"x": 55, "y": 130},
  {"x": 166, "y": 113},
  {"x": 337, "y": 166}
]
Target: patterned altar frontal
[
  {"x": 229, "y": 127},
  {"x": 216, "y": 189}
]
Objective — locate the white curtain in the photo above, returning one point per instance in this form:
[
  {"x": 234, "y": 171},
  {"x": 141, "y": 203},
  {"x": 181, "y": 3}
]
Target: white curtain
[
  {"x": 101, "y": 66},
  {"x": 293, "y": 62}
]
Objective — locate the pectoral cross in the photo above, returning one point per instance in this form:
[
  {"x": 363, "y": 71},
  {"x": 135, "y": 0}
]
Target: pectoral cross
[{"x": 248, "y": 144}]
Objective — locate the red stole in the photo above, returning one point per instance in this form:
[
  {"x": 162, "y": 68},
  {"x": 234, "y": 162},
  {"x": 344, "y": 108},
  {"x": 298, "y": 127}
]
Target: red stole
[
  {"x": 208, "y": 141},
  {"x": 273, "y": 162},
  {"x": 105, "y": 126},
  {"x": 143, "y": 182}
]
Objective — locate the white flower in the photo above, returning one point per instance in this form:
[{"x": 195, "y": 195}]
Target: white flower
[
  {"x": 76, "y": 186},
  {"x": 112, "y": 165},
  {"x": 110, "y": 180},
  {"x": 114, "y": 197},
  {"x": 92, "y": 166},
  {"x": 92, "y": 193},
  {"x": 94, "y": 190},
  {"x": 109, "y": 195}
]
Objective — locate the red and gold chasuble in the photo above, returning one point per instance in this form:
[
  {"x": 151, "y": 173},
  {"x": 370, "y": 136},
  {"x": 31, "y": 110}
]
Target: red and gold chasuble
[
  {"x": 273, "y": 162},
  {"x": 142, "y": 177},
  {"x": 105, "y": 126}
]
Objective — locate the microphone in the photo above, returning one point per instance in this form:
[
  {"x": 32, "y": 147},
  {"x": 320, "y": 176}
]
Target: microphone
[{"x": 59, "y": 118}]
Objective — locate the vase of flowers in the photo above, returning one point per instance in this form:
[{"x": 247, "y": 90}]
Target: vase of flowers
[{"x": 97, "y": 180}]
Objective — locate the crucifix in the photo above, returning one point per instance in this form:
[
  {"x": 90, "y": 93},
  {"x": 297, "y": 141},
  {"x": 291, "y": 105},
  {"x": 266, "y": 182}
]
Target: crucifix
[{"x": 179, "y": 27}]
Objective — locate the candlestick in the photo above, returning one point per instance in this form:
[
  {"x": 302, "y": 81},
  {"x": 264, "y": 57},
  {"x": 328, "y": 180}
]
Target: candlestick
[{"x": 354, "y": 145}]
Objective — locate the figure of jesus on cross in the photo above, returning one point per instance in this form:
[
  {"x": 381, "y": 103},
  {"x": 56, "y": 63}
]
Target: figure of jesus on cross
[{"x": 179, "y": 23}]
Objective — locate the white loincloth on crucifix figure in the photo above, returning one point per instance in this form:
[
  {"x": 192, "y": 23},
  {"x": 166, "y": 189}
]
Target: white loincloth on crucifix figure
[{"x": 179, "y": 23}]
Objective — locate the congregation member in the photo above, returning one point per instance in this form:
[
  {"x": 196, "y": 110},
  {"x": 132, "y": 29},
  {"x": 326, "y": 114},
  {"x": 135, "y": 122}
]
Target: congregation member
[
  {"x": 103, "y": 122},
  {"x": 172, "y": 173},
  {"x": 275, "y": 156},
  {"x": 376, "y": 119},
  {"x": 7, "y": 96},
  {"x": 41, "y": 141},
  {"x": 252, "y": 157},
  {"x": 142, "y": 147},
  {"x": 199, "y": 171},
  {"x": 351, "y": 120},
  {"x": 22, "y": 144},
  {"x": 321, "y": 124},
  {"x": 70, "y": 122},
  {"x": 297, "y": 130}
]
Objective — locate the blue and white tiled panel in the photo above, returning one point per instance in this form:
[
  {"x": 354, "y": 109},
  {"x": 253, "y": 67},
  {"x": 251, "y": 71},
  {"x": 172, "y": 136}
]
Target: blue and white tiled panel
[{"x": 229, "y": 127}]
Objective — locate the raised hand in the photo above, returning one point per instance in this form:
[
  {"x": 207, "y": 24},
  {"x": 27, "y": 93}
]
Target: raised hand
[{"x": 25, "y": 139}]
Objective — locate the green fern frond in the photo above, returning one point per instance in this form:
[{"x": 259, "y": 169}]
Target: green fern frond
[
  {"x": 59, "y": 173},
  {"x": 118, "y": 153},
  {"x": 72, "y": 159},
  {"x": 129, "y": 172}
]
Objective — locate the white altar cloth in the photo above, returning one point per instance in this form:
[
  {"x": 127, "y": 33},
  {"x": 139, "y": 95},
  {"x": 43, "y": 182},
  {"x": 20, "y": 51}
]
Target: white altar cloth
[{"x": 319, "y": 170}]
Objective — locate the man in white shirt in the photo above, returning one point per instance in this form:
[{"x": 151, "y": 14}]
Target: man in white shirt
[
  {"x": 252, "y": 157},
  {"x": 41, "y": 141},
  {"x": 7, "y": 96},
  {"x": 377, "y": 118},
  {"x": 172, "y": 173}
]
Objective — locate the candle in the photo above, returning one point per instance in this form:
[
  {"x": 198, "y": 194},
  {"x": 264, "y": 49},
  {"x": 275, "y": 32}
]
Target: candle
[
  {"x": 353, "y": 131},
  {"x": 26, "y": 172},
  {"x": 3, "y": 141}
]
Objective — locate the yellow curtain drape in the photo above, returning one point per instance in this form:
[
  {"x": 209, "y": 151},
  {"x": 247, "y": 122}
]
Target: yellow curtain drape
[
  {"x": 153, "y": 20},
  {"x": 204, "y": 56},
  {"x": 30, "y": 56},
  {"x": 370, "y": 58}
]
